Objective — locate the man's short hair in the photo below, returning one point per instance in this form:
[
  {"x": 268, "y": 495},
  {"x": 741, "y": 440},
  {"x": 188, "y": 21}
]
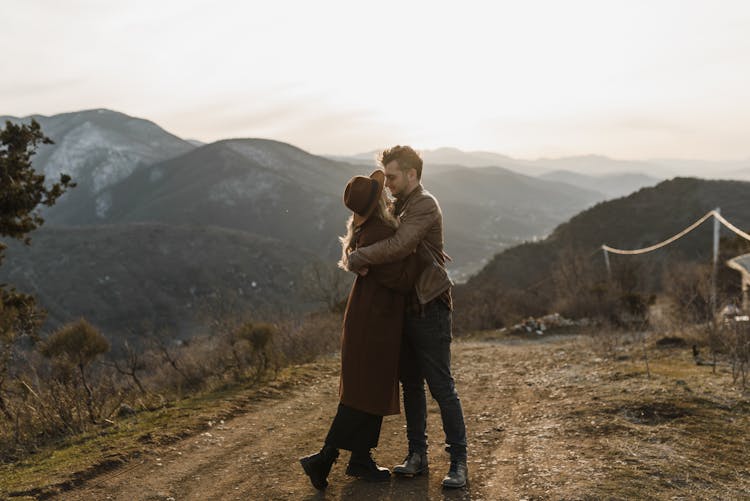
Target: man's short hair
[{"x": 406, "y": 157}]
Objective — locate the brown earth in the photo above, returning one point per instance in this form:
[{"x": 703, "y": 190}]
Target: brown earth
[{"x": 547, "y": 418}]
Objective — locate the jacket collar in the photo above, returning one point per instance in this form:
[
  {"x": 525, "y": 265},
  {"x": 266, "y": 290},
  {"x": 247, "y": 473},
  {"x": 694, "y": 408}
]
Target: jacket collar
[{"x": 401, "y": 203}]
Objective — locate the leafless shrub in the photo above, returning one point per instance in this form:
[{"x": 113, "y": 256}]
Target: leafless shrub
[
  {"x": 688, "y": 289},
  {"x": 327, "y": 284},
  {"x": 687, "y": 286},
  {"x": 736, "y": 344},
  {"x": 302, "y": 340},
  {"x": 49, "y": 400},
  {"x": 583, "y": 290},
  {"x": 492, "y": 308},
  {"x": 132, "y": 364}
]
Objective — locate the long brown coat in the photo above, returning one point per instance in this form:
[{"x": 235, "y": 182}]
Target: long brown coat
[{"x": 373, "y": 324}]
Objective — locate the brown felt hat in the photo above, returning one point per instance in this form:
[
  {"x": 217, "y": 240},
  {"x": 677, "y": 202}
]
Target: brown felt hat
[{"x": 362, "y": 194}]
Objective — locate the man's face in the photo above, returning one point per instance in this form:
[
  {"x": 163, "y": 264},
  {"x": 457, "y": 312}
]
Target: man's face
[{"x": 396, "y": 180}]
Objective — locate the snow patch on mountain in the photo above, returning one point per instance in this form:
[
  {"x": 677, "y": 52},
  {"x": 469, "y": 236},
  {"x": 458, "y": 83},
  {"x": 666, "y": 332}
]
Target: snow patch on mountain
[
  {"x": 263, "y": 157},
  {"x": 272, "y": 156},
  {"x": 103, "y": 156},
  {"x": 155, "y": 174},
  {"x": 254, "y": 185},
  {"x": 103, "y": 204}
]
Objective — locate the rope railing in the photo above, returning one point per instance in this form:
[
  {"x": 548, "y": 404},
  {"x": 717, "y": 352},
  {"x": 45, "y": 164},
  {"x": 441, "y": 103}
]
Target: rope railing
[
  {"x": 713, "y": 213},
  {"x": 718, "y": 218},
  {"x": 607, "y": 249},
  {"x": 730, "y": 226}
]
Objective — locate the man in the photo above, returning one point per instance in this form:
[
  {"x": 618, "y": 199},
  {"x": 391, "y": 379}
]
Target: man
[{"x": 426, "y": 345}]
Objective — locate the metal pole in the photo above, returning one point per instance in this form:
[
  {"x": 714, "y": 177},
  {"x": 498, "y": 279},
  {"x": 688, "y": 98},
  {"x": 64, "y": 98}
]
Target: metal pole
[
  {"x": 606, "y": 263},
  {"x": 717, "y": 226}
]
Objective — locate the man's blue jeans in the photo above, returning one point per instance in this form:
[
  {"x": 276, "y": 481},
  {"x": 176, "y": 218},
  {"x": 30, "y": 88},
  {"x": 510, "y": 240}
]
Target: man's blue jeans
[{"x": 426, "y": 356}]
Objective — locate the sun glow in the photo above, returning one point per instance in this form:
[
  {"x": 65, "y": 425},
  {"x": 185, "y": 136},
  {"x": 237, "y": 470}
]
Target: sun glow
[{"x": 630, "y": 79}]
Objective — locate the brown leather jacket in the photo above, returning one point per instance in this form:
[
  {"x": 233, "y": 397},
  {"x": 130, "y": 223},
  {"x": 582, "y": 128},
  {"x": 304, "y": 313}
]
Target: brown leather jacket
[{"x": 420, "y": 229}]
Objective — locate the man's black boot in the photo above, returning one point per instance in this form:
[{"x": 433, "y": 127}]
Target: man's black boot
[
  {"x": 457, "y": 474},
  {"x": 361, "y": 465},
  {"x": 318, "y": 466},
  {"x": 415, "y": 463}
]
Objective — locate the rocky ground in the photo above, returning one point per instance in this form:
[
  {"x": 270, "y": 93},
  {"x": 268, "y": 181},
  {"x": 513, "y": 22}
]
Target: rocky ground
[{"x": 548, "y": 417}]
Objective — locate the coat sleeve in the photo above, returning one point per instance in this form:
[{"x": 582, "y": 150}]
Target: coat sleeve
[
  {"x": 415, "y": 224},
  {"x": 398, "y": 275}
]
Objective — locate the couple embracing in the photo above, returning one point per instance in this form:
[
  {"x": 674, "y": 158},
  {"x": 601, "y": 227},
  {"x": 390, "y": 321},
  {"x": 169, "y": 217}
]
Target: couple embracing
[{"x": 397, "y": 326}]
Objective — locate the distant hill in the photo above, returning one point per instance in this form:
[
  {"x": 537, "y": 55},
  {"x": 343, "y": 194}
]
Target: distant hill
[
  {"x": 587, "y": 165},
  {"x": 612, "y": 185},
  {"x": 470, "y": 158},
  {"x": 97, "y": 148},
  {"x": 710, "y": 169},
  {"x": 260, "y": 186},
  {"x": 435, "y": 160},
  {"x": 275, "y": 189},
  {"x": 126, "y": 276},
  {"x": 598, "y": 165},
  {"x": 638, "y": 220},
  {"x": 488, "y": 209}
]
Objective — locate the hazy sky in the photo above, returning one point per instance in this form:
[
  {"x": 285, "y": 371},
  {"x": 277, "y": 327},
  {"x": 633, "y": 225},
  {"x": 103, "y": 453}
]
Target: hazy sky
[{"x": 629, "y": 79}]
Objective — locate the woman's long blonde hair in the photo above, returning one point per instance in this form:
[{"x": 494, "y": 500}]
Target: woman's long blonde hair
[{"x": 349, "y": 240}]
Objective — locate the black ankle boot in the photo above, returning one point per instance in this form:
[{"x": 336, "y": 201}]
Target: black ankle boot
[
  {"x": 318, "y": 466},
  {"x": 361, "y": 465}
]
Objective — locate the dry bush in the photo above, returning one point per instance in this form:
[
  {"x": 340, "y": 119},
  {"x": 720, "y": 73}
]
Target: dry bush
[
  {"x": 607, "y": 341},
  {"x": 60, "y": 387},
  {"x": 493, "y": 308},
  {"x": 688, "y": 289},
  {"x": 599, "y": 301},
  {"x": 327, "y": 284},
  {"x": 302, "y": 340},
  {"x": 72, "y": 349},
  {"x": 19, "y": 322},
  {"x": 176, "y": 371},
  {"x": 687, "y": 286},
  {"x": 132, "y": 364},
  {"x": 578, "y": 287},
  {"x": 736, "y": 345},
  {"x": 260, "y": 347},
  {"x": 583, "y": 290},
  {"x": 49, "y": 399}
]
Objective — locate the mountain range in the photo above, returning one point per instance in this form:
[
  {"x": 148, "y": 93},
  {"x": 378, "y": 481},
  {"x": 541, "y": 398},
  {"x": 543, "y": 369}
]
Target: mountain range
[
  {"x": 275, "y": 189},
  {"x": 165, "y": 218},
  {"x": 612, "y": 185}
]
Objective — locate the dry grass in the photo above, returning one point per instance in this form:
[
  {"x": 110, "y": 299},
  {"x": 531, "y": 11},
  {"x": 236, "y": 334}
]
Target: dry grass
[
  {"x": 599, "y": 428},
  {"x": 71, "y": 462},
  {"x": 548, "y": 417}
]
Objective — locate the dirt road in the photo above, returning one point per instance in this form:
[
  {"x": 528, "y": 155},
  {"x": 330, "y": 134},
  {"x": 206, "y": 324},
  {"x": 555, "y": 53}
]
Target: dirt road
[{"x": 545, "y": 420}]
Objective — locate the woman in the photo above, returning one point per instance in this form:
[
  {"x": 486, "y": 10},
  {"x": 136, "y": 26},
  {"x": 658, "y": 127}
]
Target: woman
[{"x": 371, "y": 341}]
